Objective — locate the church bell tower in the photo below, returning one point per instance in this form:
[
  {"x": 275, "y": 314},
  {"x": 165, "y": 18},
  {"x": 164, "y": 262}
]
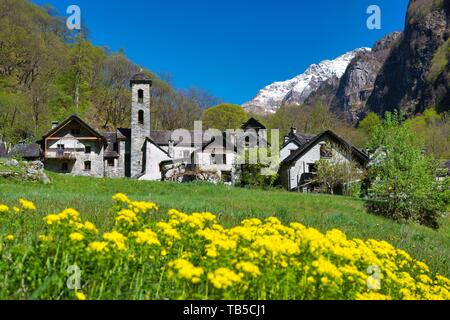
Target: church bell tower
[{"x": 140, "y": 120}]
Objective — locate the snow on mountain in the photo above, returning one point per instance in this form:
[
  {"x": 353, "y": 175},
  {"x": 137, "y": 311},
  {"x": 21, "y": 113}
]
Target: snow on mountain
[{"x": 298, "y": 89}]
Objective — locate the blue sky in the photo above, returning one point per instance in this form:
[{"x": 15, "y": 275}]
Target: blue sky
[{"x": 233, "y": 48}]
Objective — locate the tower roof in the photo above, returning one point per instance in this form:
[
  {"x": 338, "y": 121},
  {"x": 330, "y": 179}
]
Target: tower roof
[{"x": 140, "y": 78}]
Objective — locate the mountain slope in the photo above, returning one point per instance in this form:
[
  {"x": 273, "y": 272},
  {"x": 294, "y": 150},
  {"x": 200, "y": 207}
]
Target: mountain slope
[
  {"x": 416, "y": 73},
  {"x": 298, "y": 89},
  {"x": 357, "y": 83}
]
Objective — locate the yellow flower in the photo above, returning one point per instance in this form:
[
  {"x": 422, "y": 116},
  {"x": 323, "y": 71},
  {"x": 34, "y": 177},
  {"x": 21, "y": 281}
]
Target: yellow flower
[
  {"x": 4, "y": 208},
  {"x": 372, "y": 296},
  {"x": 223, "y": 278},
  {"x": 146, "y": 237},
  {"x": 16, "y": 210},
  {"x": 27, "y": 205},
  {"x": 10, "y": 237},
  {"x": 142, "y": 206},
  {"x": 186, "y": 270},
  {"x": 76, "y": 236},
  {"x": 117, "y": 238},
  {"x": 126, "y": 215},
  {"x": 249, "y": 268},
  {"x": 89, "y": 226},
  {"x": 99, "y": 246},
  {"x": 120, "y": 197},
  {"x": 80, "y": 295}
]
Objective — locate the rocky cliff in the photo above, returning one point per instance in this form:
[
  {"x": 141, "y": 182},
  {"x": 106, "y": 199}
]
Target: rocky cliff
[
  {"x": 416, "y": 72},
  {"x": 357, "y": 83}
]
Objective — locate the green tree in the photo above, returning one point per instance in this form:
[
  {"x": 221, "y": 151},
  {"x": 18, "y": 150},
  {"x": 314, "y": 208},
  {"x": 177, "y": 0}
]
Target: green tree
[
  {"x": 332, "y": 175},
  {"x": 402, "y": 182},
  {"x": 369, "y": 123},
  {"x": 224, "y": 116}
]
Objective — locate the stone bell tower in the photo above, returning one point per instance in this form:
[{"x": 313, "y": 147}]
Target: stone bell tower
[{"x": 140, "y": 120}]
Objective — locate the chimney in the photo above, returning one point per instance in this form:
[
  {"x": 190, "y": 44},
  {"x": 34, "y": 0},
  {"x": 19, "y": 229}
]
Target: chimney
[
  {"x": 171, "y": 149},
  {"x": 286, "y": 138},
  {"x": 54, "y": 124},
  {"x": 293, "y": 130}
]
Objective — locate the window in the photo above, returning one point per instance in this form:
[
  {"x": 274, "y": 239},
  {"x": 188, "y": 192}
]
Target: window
[
  {"x": 116, "y": 147},
  {"x": 226, "y": 176},
  {"x": 87, "y": 149},
  {"x": 60, "y": 150},
  {"x": 140, "y": 96},
  {"x": 326, "y": 151},
  {"x": 141, "y": 117},
  {"x": 291, "y": 151},
  {"x": 311, "y": 168},
  {"x": 87, "y": 166},
  {"x": 110, "y": 162},
  {"x": 65, "y": 167},
  {"x": 186, "y": 154}
]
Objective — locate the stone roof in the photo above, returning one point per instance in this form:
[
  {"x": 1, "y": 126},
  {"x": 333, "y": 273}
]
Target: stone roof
[
  {"x": 32, "y": 150},
  {"x": 252, "y": 123},
  {"x": 140, "y": 78},
  {"x": 358, "y": 154}
]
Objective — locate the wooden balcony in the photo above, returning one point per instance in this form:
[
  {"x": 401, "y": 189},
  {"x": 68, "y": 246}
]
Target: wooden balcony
[{"x": 65, "y": 155}]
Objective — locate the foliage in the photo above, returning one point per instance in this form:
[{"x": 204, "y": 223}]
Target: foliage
[
  {"x": 369, "y": 123},
  {"x": 439, "y": 62},
  {"x": 257, "y": 173},
  {"x": 432, "y": 130},
  {"x": 313, "y": 120},
  {"x": 48, "y": 73},
  {"x": 224, "y": 116},
  {"x": 149, "y": 255},
  {"x": 403, "y": 185},
  {"x": 334, "y": 174}
]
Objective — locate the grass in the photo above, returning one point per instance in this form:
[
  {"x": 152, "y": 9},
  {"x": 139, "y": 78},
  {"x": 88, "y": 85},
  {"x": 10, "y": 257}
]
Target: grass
[{"x": 92, "y": 197}]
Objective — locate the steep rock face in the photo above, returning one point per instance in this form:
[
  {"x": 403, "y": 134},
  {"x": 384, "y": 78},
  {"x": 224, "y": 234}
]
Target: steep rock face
[
  {"x": 413, "y": 76},
  {"x": 358, "y": 81},
  {"x": 298, "y": 89}
]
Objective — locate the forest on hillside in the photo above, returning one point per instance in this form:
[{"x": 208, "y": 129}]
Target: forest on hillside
[{"x": 48, "y": 73}]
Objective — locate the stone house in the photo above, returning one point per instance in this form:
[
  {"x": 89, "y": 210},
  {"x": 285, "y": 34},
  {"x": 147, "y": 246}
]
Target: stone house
[{"x": 300, "y": 153}]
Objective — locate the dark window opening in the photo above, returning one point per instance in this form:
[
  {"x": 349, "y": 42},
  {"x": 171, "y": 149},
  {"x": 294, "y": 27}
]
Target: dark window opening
[
  {"x": 140, "y": 96},
  {"x": 65, "y": 167},
  {"x": 110, "y": 162},
  {"x": 226, "y": 176},
  {"x": 87, "y": 166},
  {"x": 116, "y": 147},
  {"x": 141, "y": 117},
  {"x": 87, "y": 149},
  {"x": 326, "y": 151},
  {"x": 311, "y": 168}
]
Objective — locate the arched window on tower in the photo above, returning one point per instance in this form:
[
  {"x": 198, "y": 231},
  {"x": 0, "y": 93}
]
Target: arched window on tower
[
  {"x": 140, "y": 96},
  {"x": 141, "y": 117}
]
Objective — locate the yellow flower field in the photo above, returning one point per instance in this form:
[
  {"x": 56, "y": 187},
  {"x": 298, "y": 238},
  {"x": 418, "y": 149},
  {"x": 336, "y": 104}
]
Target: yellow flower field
[{"x": 175, "y": 255}]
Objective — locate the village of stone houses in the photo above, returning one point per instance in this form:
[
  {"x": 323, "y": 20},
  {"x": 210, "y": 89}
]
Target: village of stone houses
[{"x": 115, "y": 184}]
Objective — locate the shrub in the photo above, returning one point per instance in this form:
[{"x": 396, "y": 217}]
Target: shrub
[{"x": 403, "y": 183}]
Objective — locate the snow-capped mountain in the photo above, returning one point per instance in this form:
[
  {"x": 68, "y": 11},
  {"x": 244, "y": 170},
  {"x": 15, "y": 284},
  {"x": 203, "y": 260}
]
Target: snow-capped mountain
[{"x": 298, "y": 89}]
